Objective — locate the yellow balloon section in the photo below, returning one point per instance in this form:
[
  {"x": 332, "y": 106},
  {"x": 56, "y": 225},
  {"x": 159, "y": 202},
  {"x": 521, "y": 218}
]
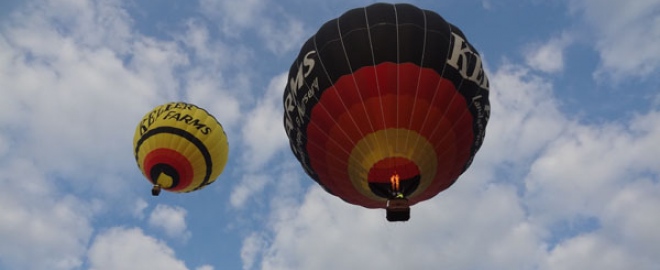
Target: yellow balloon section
[{"x": 180, "y": 147}]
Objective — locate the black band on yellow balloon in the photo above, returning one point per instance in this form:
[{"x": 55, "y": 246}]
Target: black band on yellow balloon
[{"x": 186, "y": 135}]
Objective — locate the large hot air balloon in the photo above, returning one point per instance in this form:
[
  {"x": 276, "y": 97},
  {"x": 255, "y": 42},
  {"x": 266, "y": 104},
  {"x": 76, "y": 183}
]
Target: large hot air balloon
[
  {"x": 180, "y": 147},
  {"x": 386, "y": 106}
]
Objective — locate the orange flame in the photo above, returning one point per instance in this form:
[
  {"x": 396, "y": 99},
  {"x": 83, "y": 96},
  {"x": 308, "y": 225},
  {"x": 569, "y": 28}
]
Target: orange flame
[{"x": 394, "y": 180}]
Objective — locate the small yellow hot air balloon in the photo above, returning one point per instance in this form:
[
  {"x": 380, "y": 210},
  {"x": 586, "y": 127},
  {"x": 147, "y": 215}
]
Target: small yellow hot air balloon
[{"x": 180, "y": 147}]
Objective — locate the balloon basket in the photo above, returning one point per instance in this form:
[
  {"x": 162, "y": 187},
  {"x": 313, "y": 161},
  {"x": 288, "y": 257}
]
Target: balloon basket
[
  {"x": 155, "y": 191},
  {"x": 398, "y": 209}
]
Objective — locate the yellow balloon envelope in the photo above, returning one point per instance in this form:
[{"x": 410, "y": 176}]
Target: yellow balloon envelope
[{"x": 180, "y": 147}]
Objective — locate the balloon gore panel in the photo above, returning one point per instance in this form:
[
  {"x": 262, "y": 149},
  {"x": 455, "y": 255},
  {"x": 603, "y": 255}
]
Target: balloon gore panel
[{"x": 382, "y": 91}]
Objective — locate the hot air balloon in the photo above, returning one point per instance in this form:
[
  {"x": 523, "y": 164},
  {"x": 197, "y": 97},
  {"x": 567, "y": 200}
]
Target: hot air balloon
[
  {"x": 386, "y": 106},
  {"x": 180, "y": 147}
]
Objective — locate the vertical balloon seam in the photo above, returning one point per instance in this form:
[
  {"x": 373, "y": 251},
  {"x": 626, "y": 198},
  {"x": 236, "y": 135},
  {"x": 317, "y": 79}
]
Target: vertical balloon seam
[
  {"x": 458, "y": 136},
  {"x": 318, "y": 98},
  {"x": 309, "y": 121},
  {"x": 371, "y": 146},
  {"x": 333, "y": 86},
  {"x": 469, "y": 103},
  {"x": 364, "y": 106},
  {"x": 373, "y": 59},
  {"x": 454, "y": 95},
  {"x": 348, "y": 62},
  {"x": 438, "y": 86},
  {"x": 308, "y": 117},
  {"x": 313, "y": 143},
  {"x": 322, "y": 105},
  {"x": 377, "y": 80},
  {"x": 398, "y": 84},
  {"x": 327, "y": 183},
  {"x": 412, "y": 109},
  {"x": 419, "y": 76},
  {"x": 347, "y": 109}
]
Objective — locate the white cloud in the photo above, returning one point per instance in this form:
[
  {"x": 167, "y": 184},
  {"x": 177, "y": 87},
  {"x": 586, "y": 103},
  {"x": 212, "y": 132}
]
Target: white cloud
[
  {"x": 170, "y": 219},
  {"x": 327, "y": 233},
  {"x": 525, "y": 117},
  {"x": 4, "y": 146},
  {"x": 627, "y": 35},
  {"x": 75, "y": 79},
  {"x": 217, "y": 79},
  {"x": 66, "y": 95},
  {"x": 263, "y": 140},
  {"x": 486, "y": 4},
  {"x": 138, "y": 209},
  {"x": 235, "y": 14},
  {"x": 282, "y": 34},
  {"x": 250, "y": 184},
  {"x": 263, "y": 132},
  {"x": 538, "y": 168},
  {"x": 593, "y": 252},
  {"x": 283, "y": 179},
  {"x": 208, "y": 91},
  {"x": 75, "y": 76},
  {"x": 547, "y": 57},
  {"x": 589, "y": 166},
  {"x": 39, "y": 228},
  {"x": 93, "y": 24},
  {"x": 627, "y": 220},
  {"x": 129, "y": 248},
  {"x": 252, "y": 245},
  {"x": 278, "y": 31}
]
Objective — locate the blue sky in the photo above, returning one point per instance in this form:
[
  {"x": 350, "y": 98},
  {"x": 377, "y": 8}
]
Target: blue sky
[{"x": 568, "y": 177}]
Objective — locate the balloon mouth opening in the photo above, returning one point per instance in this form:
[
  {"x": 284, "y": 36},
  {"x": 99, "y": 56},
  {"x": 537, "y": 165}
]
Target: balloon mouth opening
[
  {"x": 393, "y": 177},
  {"x": 164, "y": 175}
]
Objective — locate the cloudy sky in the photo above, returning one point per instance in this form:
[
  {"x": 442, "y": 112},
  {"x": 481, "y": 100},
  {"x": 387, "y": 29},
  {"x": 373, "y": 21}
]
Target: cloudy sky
[{"x": 568, "y": 177}]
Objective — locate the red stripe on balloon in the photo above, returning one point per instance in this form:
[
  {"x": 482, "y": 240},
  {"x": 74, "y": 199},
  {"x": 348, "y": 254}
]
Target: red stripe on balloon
[
  {"x": 368, "y": 101},
  {"x": 175, "y": 160}
]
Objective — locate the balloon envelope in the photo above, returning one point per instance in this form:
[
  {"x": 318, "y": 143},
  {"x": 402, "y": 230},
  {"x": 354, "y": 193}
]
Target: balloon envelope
[
  {"x": 180, "y": 147},
  {"x": 384, "y": 93}
]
